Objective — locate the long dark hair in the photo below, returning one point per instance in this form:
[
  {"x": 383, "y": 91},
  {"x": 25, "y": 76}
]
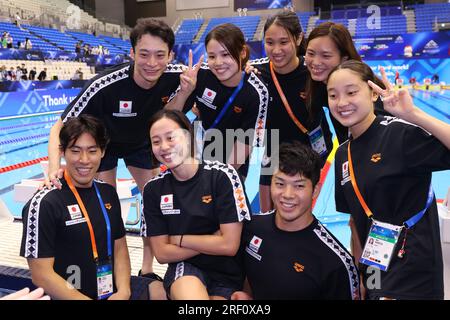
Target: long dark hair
[
  {"x": 179, "y": 118},
  {"x": 288, "y": 20},
  {"x": 232, "y": 38},
  {"x": 342, "y": 38}
]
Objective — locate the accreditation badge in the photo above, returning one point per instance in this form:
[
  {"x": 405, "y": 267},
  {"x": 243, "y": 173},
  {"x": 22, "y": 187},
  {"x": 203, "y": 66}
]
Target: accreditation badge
[
  {"x": 104, "y": 280},
  {"x": 318, "y": 141},
  {"x": 380, "y": 244}
]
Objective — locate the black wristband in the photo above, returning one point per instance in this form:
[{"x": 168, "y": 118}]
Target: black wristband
[{"x": 181, "y": 240}]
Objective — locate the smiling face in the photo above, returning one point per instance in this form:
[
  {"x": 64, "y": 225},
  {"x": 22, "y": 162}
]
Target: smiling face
[
  {"x": 222, "y": 64},
  {"x": 151, "y": 56},
  {"x": 351, "y": 100},
  {"x": 170, "y": 144},
  {"x": 292, "y": 197},
  {"x": 83, "y": 158},
  {"x": 281, "y": 48},
  {"x": 322, "y": 56}
]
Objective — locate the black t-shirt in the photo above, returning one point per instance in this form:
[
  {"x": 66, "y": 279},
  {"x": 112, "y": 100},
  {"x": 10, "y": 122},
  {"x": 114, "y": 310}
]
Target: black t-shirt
[
  {"x": 124, "y": 108},
  {"x": 320, "y": 100},
  {"x": 293, "y": 85},
  {"x": 214, "y": 196},
  {"x": 54, "y": 227},
  {"x": 393, "y": 161},
  {"x": 247, "y": 111},
  {"x": 310, "y": 264}
]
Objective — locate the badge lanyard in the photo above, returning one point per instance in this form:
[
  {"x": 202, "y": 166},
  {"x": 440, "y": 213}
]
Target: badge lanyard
[
  {"x": 316, "y": 136},
  {"x": 200, "y": 134},
  {"x": 229, "y": 102},
  {"x": 382, "y": 226},
  {"x": 285, "y": 102},
  {"x": 103, "y": 270}
]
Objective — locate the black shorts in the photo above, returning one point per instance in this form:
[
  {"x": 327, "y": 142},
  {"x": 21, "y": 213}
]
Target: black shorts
[
  {"x": 214, "y": 287},
  {"x": 141, "y": 158}
]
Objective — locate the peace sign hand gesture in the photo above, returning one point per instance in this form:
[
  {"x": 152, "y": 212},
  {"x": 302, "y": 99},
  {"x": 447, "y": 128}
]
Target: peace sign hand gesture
[
  {"x": 188, "y": 79},
  {"x": 398, "y": 103}
]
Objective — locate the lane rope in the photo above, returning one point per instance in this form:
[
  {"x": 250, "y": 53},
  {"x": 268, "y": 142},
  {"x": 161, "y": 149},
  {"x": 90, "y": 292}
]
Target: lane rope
[{"x": 21, "y": 165}]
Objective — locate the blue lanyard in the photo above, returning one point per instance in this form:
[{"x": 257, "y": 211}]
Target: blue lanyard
[
  {"x": 229, "y": 102},
  {"x": 414, "y": 219},
  {"x": 108, "y": 224}
]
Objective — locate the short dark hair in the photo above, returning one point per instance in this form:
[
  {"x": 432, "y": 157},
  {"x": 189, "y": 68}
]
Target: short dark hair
[
  {"x": 232, "y": 38},
  {"x": 153, "y": 27},
  {"x": 74, "y": 127},
  {"x": 179, "y": 118},
  {"x": 295, "y": 157}
]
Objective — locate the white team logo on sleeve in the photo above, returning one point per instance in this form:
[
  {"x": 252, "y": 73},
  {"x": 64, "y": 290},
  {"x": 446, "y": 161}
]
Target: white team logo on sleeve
[
  {"x": 125, "y": 106},
  {"x": 209, "y": 95},
  {"x": 74, "y": 211},
  {"x": 253, "y": 248},
  {"x": 125, "y": 109},
  {"x": 255, "y": 243},
  {"x": 345, "y": 170},
  {"x": 345, "y": 173},
  {"x": 75, "y": 215},
  {"x": 167, "y": 202}
]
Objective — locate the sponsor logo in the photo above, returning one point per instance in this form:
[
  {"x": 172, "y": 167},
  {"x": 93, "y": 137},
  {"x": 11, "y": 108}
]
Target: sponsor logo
[
  {"x": 108, "y": 206},
  {"x": 381, "y": 47},
  {"x": 431, "y": 47},
  {"x": 376, "y": 157},
  {"x": 364, "y": 47},
  {"x": 207, "y": 199},
  {"x": 399, "y": 39},
  {"x": 237, "y": 109},
  {"x": 298, "y": 267},
  {"x": 302, "y": 95}
]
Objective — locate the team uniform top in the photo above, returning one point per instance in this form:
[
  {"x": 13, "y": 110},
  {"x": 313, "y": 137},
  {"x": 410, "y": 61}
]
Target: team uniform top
[
  {"x": 124, "y": 107},
  {"x": 54, "y": 227},
  {"x": 320, "y": 100},
  {"x": 393, "y": 162},
  {"x": 214, "y": 196},
  {"x": 293, "y": 85},
  {"x": 307, "y": 264},
  {"x": 247, "y": 111}
]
